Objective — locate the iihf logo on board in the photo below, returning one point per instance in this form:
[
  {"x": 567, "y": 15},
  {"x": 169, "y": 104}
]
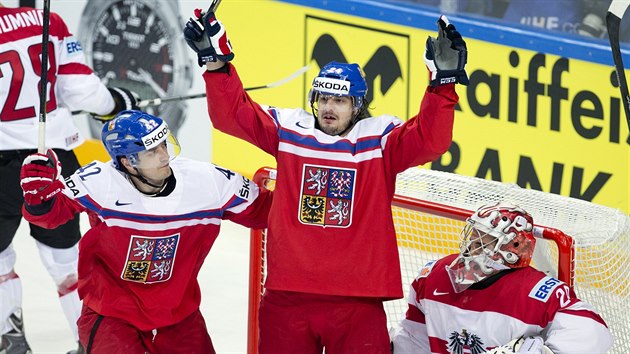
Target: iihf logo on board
[
  {"x": 327, "y": 196},
  {"x": 150, "y": 260}
]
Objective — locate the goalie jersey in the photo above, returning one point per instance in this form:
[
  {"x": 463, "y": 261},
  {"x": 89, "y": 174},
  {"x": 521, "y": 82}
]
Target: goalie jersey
[
  {"x": 141, "y": 257},
  {"x": 71, "y": 83},
  {"x": 491, "y": 313}
]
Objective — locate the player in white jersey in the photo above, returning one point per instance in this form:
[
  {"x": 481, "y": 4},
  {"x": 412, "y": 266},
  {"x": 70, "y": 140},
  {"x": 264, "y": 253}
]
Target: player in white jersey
[
  {"x": 154, "y": 218},
  {"x": 71, "y": 85},
  {"x": 488, "y": 299}
]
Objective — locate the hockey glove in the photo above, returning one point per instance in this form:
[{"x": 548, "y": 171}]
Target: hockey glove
[
  {"x": 123, "y": 100},
  {"x": 40, "y": 177},
  {"x": 523, "y": 345},
  {"x": 207, "y": 37},
  {"x": 446, "y": 55}
]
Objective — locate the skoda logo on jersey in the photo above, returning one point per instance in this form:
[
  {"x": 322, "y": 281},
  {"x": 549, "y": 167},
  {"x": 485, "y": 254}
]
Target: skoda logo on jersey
[
  {"x": 331, "y": 86},
  {"x": 327, "y": 196},
  {"x": 156, "y": 137}
]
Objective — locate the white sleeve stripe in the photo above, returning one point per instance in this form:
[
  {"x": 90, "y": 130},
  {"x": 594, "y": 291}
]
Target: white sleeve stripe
[{"x": 33, "y": 179}]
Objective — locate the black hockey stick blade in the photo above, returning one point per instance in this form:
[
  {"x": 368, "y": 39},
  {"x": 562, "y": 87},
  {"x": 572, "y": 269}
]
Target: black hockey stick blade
[{"x": 613, "y": 20}]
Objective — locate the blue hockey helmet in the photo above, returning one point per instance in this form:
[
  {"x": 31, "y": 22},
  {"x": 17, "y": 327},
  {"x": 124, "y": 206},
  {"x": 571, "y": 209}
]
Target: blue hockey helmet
[
  {"x": 340, "y": 79},
  {"x": 132, "y": 132}
]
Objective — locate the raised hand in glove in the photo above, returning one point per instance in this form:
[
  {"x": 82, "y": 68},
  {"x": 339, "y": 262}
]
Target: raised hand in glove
[
  {"x": 207, "y": 37},
  {"x": 446, "y": 55},
  {"x": 123, "y": 99},
  {"x": 40, "y": 177}
]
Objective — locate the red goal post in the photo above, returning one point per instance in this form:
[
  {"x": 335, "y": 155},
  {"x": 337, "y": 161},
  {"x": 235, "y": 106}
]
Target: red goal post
[{"x": 430, "y": 208}]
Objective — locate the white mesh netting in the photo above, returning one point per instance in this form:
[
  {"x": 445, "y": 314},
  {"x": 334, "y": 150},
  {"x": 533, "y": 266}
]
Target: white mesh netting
[{"x": 601, "y": 236}]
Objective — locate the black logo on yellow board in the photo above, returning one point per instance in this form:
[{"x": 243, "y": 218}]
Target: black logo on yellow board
[
  {"x": 383, "y": 56},
  {"x": 383, "y": 63}
]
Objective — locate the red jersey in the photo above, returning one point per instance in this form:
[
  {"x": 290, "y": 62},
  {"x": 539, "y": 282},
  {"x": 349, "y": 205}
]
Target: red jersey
[
  {"x": 71, "y": 83},
  {"x": 520, "y": 302},
  {"x": 140, "y": 259},
  {"x": 330, "y": 229}
]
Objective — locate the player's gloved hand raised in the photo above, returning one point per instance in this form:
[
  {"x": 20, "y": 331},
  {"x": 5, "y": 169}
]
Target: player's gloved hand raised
[
  {"x": 124, "y": 100},
  {"x": 40, "y": 177},
  {"x": 207, "y": 37},
  {"x": 446, "y": 55}
]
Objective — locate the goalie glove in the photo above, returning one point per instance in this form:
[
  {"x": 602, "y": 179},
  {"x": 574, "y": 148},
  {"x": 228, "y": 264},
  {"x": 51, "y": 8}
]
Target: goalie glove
[
  {"x": 123, "y": 100},
  {"x": 207, "y": 37},
  {"x": 40, "y": 178},
  {"x": 446, "y": 55},
  {"x": 523, "y": 345}
]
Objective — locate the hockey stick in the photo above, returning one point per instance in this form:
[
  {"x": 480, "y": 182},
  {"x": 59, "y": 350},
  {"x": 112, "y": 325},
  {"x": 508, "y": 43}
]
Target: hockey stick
[
  {"x": 43, "y": 80},
  {"x": 613, "y": 19},
  {"x": 214, "y": 5},
  {"x": 159, "y": 101}
]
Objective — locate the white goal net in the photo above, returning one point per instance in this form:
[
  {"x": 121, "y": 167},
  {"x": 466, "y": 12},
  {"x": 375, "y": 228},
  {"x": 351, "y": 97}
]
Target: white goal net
[
  {"x": 430, "y": 206},
  {"x": 601, "y": 238}
]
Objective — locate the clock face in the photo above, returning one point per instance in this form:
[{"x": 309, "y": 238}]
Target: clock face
[{"x": 131, "y": 48}]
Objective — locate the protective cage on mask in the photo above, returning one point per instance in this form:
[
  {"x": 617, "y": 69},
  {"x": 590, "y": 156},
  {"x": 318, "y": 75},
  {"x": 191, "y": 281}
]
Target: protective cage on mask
[{"x": 584, "y": 244}]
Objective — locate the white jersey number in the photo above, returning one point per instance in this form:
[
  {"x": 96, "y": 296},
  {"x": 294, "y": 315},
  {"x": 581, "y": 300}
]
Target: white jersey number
[{"x": 563, "y": 295}]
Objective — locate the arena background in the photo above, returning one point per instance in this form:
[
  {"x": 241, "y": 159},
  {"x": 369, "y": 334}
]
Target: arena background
[{"x": 541, "y": 110}]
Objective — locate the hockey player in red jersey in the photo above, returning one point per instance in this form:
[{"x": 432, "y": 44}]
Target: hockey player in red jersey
[
  {"x": 153, "y": 221},
  {"x": 488, "y": 299},
  {"x": 71, "y": 85},
  {"x": 331, "y": 246}
]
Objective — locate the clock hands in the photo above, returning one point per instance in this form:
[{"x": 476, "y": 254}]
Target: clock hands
[{"x": 148, "y": 78}]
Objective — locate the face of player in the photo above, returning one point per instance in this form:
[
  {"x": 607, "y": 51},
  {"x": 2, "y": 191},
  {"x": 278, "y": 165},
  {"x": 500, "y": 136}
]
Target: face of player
[
  {"x": 479, "y": 241},
  {"x": 334, "y": 113},
  {"x": 153, "y": 164}
]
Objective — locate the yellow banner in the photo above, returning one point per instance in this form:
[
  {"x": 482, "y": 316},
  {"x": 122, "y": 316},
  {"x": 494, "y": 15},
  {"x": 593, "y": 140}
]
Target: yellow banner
[{"x": 542, "y": 121}]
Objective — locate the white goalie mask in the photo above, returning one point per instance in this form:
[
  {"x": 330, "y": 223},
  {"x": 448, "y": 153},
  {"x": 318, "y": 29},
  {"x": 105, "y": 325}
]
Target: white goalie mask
[{"x": 496, "y": 237}]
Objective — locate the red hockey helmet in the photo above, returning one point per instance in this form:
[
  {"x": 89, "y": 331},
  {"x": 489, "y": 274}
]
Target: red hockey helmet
[{"x": 496, "y": 237}]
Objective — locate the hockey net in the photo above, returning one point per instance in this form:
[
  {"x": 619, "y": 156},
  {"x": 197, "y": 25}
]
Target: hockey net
[{"x": 584, "y": 244}]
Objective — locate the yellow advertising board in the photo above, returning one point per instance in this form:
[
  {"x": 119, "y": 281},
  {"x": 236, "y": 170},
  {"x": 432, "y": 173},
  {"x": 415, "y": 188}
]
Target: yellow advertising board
[
  {"x": 315, "y": 38},
  {"x": 542, "y": 121}
]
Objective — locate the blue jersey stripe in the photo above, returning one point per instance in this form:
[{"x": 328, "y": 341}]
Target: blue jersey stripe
[
  {"x": 115, "y": 214},
  {"x": 363, "y": 145}
]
